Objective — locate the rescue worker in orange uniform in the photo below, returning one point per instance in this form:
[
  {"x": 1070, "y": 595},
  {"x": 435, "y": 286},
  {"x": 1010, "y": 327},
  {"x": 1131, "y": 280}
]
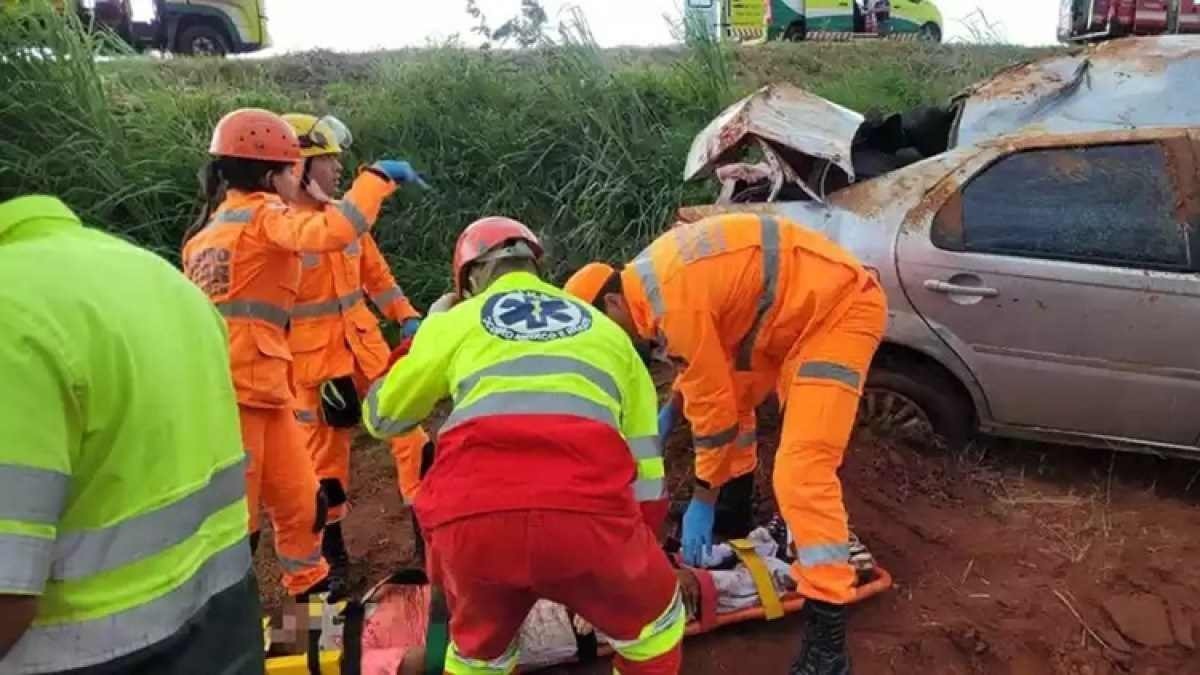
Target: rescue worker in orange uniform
[
  {"x": 749, "y": 304},
  {"x": 337, "y": 346},
  {"x": 551, "y": 443},
  {"x": 243, "y": 252}
]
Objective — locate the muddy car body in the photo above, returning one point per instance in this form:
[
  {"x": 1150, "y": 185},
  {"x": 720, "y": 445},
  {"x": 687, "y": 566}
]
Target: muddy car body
[{"x": 1042, "y": 267}]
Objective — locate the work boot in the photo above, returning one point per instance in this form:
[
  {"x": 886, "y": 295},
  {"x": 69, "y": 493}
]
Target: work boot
[
  {"x": 734, "y": 512},
  {"x": 333, "y": 549},
  {"x": 824, "y": 650}
]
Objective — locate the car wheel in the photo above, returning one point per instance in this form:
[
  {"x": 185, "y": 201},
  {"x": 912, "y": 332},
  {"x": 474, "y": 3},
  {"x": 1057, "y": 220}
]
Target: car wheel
[
  {"x": 202, "y": 40},
  {"x": 930, "y": 32},
  {"x": 913, "y": 403},
  {"x": 795, "y": 32}
]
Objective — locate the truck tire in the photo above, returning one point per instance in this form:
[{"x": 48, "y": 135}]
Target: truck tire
[
  {"x": 930, "y": 32},
  {"x": 202, "y": 39},
  {"x": 795, "y": 32},
  {"x": 912, "y": 402}
]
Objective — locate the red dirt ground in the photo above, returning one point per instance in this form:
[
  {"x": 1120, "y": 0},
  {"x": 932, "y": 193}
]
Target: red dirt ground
[{"x": 994, "y": 551}]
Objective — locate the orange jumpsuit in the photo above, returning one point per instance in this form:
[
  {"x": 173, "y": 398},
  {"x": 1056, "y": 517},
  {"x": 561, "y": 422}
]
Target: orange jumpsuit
[
  {"x": 753, "y": 304},
  {"x": 246, "y": 260},
  {"x": 335, "y": 334}
]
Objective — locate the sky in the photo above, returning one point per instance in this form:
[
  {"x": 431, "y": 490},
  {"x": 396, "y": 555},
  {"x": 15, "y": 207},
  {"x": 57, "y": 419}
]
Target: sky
[{"x": 363, "y": 25}]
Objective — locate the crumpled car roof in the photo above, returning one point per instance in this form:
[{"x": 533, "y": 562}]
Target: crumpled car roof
[{"x": 1120, "y": 84}]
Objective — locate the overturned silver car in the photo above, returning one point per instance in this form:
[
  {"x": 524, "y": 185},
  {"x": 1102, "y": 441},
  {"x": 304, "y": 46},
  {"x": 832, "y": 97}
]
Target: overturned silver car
[{"x": 1037, "y": 238}]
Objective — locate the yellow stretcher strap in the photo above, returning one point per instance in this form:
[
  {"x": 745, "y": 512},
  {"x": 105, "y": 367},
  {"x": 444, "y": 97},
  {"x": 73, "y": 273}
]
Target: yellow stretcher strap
[
  {"x": 298, "y": 664},
  {"x": 772, "y": 607}
]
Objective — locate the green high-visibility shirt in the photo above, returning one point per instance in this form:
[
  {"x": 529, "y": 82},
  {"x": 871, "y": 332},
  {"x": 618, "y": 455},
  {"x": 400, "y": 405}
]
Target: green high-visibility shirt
[{"x": 122, "y": 489}]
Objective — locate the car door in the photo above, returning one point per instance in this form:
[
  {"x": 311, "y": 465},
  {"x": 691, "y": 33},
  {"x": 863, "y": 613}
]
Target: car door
[{"x": 1063, "y": 270}]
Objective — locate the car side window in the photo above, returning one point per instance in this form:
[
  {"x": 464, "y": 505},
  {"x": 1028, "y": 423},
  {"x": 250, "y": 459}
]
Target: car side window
[{"x": 1108, "y": 205}]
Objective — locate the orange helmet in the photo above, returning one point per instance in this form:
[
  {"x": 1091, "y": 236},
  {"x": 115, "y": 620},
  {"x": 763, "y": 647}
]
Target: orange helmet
[
  {"x": 589, "y": 280},
  {"x": 251, "y": 133},
  {"x": 488, "y": 235}
]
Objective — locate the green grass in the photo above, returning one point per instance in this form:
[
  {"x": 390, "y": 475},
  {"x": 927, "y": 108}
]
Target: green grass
[{"x": 585, "y": 145}]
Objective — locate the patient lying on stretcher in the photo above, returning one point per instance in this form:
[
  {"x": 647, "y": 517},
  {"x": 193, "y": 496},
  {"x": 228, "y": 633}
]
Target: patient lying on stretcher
[{"x": 552, "y": 635}]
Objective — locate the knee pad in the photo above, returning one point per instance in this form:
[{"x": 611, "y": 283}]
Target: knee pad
[
  {"x": 339, "y": 402},
  {"x": 335, "y": 494}
]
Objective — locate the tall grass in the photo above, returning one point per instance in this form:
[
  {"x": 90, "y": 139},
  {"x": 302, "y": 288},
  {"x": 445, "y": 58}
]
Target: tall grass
[{"x": 586, "y": 145}]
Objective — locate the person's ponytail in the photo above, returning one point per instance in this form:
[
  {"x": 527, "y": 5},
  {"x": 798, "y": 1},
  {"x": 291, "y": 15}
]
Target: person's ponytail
[{"x": 211, "y": 192}]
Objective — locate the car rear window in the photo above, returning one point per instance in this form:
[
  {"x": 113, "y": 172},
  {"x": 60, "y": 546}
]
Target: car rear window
[{"x": 1112, "y": 205}]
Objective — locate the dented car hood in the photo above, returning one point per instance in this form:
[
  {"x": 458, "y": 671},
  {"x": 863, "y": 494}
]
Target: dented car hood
[
  {"x": 1121, "y": 84},
  {"x": 781, "y": 114}
]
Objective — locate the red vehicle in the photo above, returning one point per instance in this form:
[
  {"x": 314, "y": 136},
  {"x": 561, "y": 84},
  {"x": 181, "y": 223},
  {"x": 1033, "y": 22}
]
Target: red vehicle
[{"x": 1093, "y": 20}]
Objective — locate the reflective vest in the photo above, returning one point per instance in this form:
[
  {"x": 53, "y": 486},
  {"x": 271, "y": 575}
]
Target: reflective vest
[
  {"x": 333, "y": 330},
  {"x": 731, "y": 296},
  {"x": 552, "y": 406},
  {"x": 247, "y": 261},
  {"x": 122, "y": 488}
]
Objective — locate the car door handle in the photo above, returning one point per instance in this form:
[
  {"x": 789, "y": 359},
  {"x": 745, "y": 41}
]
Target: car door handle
[{"x": 939, "y": 286}]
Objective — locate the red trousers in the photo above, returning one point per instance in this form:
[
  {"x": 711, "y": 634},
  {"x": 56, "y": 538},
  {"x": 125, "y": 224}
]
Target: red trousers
[{"x": 609, "y": 570}]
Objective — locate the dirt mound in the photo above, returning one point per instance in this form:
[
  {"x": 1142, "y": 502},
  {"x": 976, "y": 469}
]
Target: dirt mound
[{"x": 1008, "y": 560}]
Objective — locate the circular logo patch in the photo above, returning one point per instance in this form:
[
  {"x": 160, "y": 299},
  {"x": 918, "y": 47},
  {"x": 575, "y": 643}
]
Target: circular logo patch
[{"x": 532, "y": 316}]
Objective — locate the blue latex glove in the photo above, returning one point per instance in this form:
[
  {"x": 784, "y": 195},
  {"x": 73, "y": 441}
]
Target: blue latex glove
[
  {"x": 666, "y": 420},
  {"x": 409, "y": 327},
  {"x": 697, "y": 531},
  {"x": 400, "y": 172}
]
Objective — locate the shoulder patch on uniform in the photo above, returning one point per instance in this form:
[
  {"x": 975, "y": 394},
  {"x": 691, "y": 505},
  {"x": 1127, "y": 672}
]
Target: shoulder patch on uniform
[{"x": 533, "y": 316}]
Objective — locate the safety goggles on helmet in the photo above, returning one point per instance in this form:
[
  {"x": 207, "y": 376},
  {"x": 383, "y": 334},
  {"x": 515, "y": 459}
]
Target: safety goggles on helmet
[{"x": 329, "y": 133}]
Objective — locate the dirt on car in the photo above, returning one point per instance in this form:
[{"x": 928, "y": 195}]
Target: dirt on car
[{"x": 1008, "y": 559}]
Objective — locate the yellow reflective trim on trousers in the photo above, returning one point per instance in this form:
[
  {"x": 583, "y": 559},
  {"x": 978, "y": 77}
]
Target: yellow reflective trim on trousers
[
  {"x": 659, "y": 637},
  {"x": 457, "y": 664}
]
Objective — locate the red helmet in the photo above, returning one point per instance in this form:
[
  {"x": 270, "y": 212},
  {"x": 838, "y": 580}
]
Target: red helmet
[
  {"x": 251, "y": 133},
  {"x": 484, "y": 236}
]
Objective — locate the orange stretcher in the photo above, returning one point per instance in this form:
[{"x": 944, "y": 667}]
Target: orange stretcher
[{"x": 771, "y": 606}]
